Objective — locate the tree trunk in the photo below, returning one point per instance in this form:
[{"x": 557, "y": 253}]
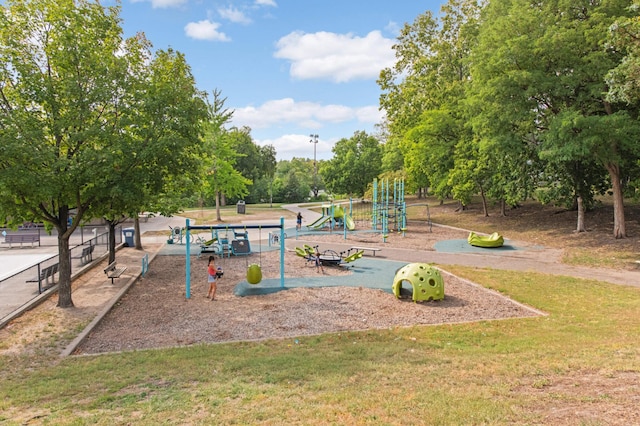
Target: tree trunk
[
  {"x": 112, "y": 241},
  {"x": 503, "y": 208},
  {"x": 485, "y": 209},
  {"x": 137, "y": 237},
  {"x": 218, "y": 217},
  {"x": 580, "y": 227},
  {"x": 619, "y": 230},
  {"x": 64, "y": 269}
]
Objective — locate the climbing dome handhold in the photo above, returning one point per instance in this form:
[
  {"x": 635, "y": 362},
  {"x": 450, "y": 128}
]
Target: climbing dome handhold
[
  {"x": 426, "y": 281},
  {"x": 254, "y": 274}
]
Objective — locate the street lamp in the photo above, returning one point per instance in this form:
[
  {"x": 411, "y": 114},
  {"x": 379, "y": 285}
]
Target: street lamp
[{"x": 314, "y": 141}]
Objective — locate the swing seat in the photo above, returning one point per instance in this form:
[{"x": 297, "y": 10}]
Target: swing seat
[
  {"x": 240, "y": 247},
  {"x": 254, "y": 274}
]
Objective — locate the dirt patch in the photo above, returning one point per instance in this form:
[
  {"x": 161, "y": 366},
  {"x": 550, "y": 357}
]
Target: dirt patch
[{"x": 582, "y": 396}]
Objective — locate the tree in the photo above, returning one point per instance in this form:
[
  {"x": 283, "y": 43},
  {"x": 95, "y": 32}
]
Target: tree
[
  {"x": 392, "y": 159},
  {"x": 160, "y": 142},
  {"x": 62, "y": 88},
  {"x": 355, "y": 163},
  {"x": 423, "y": 92},
  {"x": 404, "y": 96},
  {"x": 222, "y": 177},
  {"x": 269, "y": 163},
  {"x": 247, "y": 160},
  {"x": 253, "y": 162},
  {"x": 429, "y": 150},
  {"x": 624, "y": 80},
  {"x": 539, "y": 73},
  {"x": 292, "y": 181}
]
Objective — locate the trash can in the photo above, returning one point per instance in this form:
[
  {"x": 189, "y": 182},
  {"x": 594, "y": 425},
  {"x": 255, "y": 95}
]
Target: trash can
[
  {"x": 128, "y": 237},
  {"x": 241, "y": 207}
]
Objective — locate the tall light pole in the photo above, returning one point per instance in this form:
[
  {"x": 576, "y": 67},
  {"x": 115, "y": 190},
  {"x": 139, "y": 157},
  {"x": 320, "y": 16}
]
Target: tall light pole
[{"x": 314, "y": 141}]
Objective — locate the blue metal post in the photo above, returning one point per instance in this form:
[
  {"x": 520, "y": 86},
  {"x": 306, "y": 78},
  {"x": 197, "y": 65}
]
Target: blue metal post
[
  {"x": 374, "y": 213},
  {"x": 282, "y": 251},
  {"x": 188, "y": 265}
]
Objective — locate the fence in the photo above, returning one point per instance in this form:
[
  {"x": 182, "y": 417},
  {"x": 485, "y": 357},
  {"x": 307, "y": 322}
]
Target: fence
[
  {"x": 23, "y": 286},
  {"x": 46, "y": 239}
]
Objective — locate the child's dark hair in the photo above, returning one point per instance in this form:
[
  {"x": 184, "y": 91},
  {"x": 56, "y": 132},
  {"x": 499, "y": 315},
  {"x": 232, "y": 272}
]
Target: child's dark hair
[{"x": 211, "y": 258}]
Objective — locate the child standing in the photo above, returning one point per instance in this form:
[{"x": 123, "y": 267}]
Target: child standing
[
  {"x": 299, "y": 221},
  {"x": 211, "y": 278}
]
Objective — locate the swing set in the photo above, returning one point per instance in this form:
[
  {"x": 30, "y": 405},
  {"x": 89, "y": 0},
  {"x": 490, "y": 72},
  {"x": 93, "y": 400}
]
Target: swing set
[{"x": 254, "y": 271}]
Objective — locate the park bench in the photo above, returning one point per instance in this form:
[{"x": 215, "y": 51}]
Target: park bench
[
  {"x": 47, "y": 276},
  {"x": 86, "y": 256},
  {"x": 22, "y": 238},
  {"x": 113, "y": 271},
  {"x": 373, "y": 250}
]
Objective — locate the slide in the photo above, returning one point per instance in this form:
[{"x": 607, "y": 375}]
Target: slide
[
  {"x": 320, "y": 222},
  {"x": 349, "y": 223},
  {"x": 317, "y": 221}
]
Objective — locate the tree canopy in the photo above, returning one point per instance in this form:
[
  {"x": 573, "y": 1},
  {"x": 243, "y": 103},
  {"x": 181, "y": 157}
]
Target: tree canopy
[
  {"x": 512, "y": 98},
  {"x": 356, "y": 162},
  {"x": 81, "y": 108}
]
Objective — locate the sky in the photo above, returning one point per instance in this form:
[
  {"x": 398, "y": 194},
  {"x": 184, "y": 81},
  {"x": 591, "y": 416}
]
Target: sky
[{"x": 287, "y": 68}]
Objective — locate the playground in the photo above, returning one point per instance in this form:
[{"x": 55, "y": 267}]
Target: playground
[{"x": 338, "y": 299}]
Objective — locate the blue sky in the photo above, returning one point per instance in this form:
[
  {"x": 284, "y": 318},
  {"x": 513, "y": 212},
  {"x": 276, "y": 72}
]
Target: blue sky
[{"x": 288, "y": 68}]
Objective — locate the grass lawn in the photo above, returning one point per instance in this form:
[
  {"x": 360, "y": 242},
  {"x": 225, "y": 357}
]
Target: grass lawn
[{"x": 578, "y": 365}]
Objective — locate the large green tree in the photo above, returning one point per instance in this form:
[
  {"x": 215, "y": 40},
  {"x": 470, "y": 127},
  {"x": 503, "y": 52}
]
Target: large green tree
[
  {"x": 539, "y": 74},
  {"x": 63, "y": 72},
  {"x": 423, "y": 92}
]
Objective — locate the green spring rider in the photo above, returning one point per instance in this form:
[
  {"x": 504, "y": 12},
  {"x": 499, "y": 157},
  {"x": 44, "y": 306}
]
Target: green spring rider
[{"x": 426, "y": 281}]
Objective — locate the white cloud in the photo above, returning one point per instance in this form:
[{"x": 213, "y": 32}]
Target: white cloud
[
  {"x": 205, "y": 30},
  {"x": 370, "y": 114},
  {"x": 295, "y": 145},
  {"x": 311, "y": 115},
  {"x": 234, "y": 15},
  {"x": 266, "y": 3},
  {"x": 163, "y": 4},
  {"x": 336, "y": 57},
  {"x": 393, "y": 28}
]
